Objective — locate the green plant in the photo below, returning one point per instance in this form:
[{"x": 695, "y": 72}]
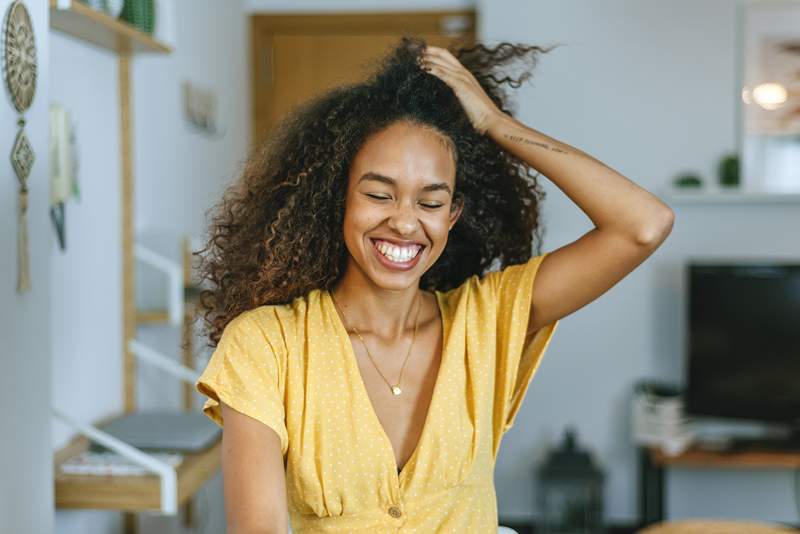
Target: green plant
[
  {"x": 687, "y": 179},
  {"x": 728, "y": 170}
]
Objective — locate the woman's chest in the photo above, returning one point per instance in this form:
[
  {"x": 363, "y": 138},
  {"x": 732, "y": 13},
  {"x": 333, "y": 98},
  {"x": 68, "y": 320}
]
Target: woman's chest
[
  {"x": 348, "y": 433},
  {"x": 400, "y": 389}
]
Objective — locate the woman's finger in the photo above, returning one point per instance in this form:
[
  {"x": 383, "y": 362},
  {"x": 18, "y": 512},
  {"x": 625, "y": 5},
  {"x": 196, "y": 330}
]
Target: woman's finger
[
  {"x": 444, "y": 74},
  {"x": 445, "y": 68},
  {"x": 452, "y": 65},
  {"x": 445, "y": 55}
]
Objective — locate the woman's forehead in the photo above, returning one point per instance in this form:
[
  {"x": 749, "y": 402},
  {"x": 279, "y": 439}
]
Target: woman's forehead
[{"x": 404, "y": 151}]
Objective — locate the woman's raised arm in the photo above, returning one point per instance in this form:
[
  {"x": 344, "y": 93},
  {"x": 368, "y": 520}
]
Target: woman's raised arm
[{"x": 630, "y": 222}]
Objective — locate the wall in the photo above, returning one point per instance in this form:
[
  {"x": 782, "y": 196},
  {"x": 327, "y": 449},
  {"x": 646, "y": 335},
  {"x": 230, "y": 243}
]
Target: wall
[
  {"x": 298, "y": 6},
  {"x": 178, "y": 172},
  {"x": 649, "y": 88},
  {"x": 25, "y": 454}
]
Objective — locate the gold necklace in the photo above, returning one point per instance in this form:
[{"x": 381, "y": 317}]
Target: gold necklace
[{"x": 394, "y": 388}]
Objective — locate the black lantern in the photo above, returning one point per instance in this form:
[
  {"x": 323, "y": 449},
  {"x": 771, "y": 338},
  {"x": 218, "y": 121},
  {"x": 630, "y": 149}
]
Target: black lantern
[{"x": 570, "y": 491}]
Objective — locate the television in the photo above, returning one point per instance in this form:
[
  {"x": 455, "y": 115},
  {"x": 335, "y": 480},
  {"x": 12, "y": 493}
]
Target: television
[{"x": 744, "y": 341}]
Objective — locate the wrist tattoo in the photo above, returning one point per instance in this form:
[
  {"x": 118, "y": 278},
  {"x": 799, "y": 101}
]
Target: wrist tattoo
[{"x": 526, "y": 141}]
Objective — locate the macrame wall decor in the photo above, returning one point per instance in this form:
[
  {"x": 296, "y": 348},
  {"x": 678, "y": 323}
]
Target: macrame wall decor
[{"x": 19, "y": 68}]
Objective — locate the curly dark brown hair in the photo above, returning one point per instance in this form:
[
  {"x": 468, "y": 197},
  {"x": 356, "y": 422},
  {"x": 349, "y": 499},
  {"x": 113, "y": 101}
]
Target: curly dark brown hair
[{"x": 277, "y": 232}]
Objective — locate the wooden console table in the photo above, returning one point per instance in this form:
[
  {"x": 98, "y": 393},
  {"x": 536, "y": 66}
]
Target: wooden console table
[{"x": 653, "y": 462}]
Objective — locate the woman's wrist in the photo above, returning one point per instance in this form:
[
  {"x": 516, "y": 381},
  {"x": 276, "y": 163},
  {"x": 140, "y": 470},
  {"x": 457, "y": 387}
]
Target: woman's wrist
[{"x": 498, "y": 123}]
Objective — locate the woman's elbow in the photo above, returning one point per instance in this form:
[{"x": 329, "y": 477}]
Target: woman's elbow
[{"x": 653, "y": 234}]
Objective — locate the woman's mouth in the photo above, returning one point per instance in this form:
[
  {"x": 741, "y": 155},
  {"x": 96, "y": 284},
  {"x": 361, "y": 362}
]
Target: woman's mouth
[{"x": 396, "y": 257}]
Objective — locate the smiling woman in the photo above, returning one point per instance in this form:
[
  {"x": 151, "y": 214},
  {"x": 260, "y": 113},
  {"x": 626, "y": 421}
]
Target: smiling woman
[
  {"x": 291, "y": 196},
  {"x": 358, "y": 333},
  {"x": 402, "y": 221}
]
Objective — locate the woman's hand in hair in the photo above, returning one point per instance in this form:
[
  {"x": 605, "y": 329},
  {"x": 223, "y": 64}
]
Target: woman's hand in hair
[{"x": 479, "y": 107}]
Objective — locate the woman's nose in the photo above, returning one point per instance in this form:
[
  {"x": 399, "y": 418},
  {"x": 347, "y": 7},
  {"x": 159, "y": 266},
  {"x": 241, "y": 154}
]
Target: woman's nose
[{"x": 404, "y": 219}]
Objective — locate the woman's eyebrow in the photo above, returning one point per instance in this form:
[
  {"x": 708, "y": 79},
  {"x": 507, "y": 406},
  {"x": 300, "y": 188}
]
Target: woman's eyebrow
[{"x": 441, "y": 186}]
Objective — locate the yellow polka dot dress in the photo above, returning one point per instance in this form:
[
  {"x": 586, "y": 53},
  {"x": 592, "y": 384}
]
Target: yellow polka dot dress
[{"x": 292, "y": 367}]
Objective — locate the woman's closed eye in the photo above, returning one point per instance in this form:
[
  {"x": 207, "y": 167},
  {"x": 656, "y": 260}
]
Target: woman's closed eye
[{"x": 429, "y": 205}]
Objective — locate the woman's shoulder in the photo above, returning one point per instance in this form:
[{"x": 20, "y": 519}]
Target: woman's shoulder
[
  {"x": 284, "y": 311},
  {"x": 475, "y": 283},
  {"x": 486, "y": 291},
  {"x": 264, "y": 321},
  {"x": 262, "y": 315},
  {"x": 279, "y": 321}
]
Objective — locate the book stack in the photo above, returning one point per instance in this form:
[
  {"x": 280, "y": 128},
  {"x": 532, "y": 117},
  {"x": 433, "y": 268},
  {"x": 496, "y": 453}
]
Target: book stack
[
  {"x": 658, "y": 418},
  {"x": 110, "y": 463}
]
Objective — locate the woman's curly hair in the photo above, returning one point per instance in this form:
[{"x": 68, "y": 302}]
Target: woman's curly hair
[{"x": 277, "y": 232}]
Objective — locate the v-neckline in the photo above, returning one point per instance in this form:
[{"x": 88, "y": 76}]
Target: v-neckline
[{"x": 352, "y": 361}]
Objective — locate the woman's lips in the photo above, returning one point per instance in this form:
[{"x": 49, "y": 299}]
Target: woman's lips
[{"x": 396, "y": 265}]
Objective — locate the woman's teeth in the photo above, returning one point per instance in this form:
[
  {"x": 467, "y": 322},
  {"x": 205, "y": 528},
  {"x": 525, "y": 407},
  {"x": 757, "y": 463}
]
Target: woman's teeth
[{"x": 398, "y": 254}]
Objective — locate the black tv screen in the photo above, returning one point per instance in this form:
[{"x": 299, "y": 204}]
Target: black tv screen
[{"x": 744, "y": 341}]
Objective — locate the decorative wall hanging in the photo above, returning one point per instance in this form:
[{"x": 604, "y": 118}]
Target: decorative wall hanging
[
  {"x": 200, "y": 110},
  {"x": 63, "y": 168},
  {"x": 20, "y": 74}
]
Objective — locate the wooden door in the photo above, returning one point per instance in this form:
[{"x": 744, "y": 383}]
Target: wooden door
[{"x": 295, "y": 57}]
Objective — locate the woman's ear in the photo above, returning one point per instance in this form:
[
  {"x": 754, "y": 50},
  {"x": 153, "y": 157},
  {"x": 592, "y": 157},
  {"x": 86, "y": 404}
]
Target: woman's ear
[{"x": 455, "y": 211}]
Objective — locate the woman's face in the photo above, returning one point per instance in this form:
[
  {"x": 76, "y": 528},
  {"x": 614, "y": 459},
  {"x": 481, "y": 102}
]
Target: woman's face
[{"x": 398, "y": 208}]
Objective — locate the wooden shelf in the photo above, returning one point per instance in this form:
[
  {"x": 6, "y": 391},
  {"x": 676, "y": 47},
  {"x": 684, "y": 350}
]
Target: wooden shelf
[
  {"x": 694, "y": 457},
  {"x": 103, "y": 30},
  {"x": 129, "y": 493},
  {"x": 156, "y": 316}
]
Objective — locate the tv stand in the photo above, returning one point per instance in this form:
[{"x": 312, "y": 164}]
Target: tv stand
[
  {"x": 765, "y": 444},
  {"x": 653, "y": 463}
]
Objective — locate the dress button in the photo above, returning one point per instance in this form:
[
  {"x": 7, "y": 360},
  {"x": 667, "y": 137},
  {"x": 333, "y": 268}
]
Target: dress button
[{"x": 394, "y": 511}]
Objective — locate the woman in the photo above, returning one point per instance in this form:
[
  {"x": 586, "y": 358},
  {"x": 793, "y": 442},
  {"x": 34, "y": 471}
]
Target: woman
[{"x": 366, "y": 364}]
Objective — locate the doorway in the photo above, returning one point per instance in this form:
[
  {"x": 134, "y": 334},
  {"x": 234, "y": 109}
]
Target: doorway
[{"x": 295, "y": 57}]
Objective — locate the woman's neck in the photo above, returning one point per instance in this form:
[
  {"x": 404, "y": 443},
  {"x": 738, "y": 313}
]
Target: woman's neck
[{"x": 386, "y": 313}]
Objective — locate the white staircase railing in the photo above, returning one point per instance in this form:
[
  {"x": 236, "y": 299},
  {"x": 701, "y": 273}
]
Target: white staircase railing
[
  {"x": 175, "y": 281},
  {"x": 168, "y": 476}
]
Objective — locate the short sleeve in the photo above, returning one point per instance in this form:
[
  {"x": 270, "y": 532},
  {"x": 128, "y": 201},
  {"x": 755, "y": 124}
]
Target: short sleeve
[
  {"x": 518, "y": 355},
  {"x": 246, "y": 372}
]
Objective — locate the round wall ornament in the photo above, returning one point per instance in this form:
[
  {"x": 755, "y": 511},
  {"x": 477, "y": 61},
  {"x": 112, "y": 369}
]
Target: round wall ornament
[{"x": 20, "y": 56}]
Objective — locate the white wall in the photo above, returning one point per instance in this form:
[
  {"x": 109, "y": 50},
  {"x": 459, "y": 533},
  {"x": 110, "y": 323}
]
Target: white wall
[
  {"x": 25, "y": 454},
  {"x": 297, "y": 6},
  {"x": 86, "y": 302},
  {"x": 178, "y": 174},
  {"x": 649, "y": 88}
]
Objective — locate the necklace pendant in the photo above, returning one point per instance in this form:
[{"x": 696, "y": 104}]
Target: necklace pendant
[{"x": 396, "y": 390}]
